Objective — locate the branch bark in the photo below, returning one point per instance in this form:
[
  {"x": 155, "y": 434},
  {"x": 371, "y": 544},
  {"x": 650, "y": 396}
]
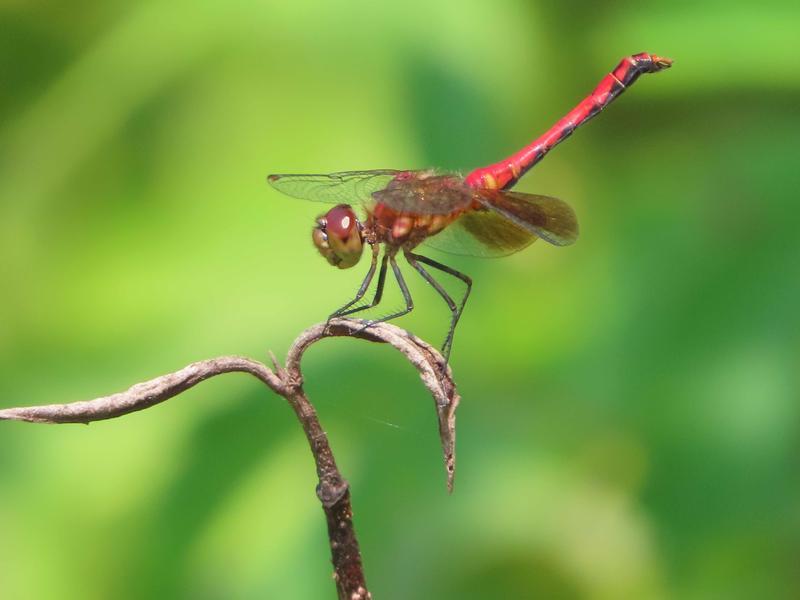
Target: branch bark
[{"x": 333, "y": 490}]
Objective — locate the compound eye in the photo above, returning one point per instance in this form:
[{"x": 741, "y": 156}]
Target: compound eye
[
  {"x": 337, "y": 236},
  {"x": 341, "y": 222}
]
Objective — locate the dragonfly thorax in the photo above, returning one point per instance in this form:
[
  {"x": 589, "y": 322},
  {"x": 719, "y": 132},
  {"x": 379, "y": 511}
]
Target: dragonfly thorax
[
  {"x": 338, "y": 235},
  {"x": 405, "y": 229}
]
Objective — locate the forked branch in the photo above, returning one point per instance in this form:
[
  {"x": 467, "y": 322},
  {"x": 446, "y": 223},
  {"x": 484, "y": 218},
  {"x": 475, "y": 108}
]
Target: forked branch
[{"x": 333, "y": 489}]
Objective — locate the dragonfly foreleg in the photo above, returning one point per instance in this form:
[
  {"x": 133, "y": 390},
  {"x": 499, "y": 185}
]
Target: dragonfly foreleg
[
  {"x": 346, "y": 310},
  {"x": 456, "y": 310}
]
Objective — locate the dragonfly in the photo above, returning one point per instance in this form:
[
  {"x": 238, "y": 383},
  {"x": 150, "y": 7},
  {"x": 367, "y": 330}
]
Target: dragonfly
[{"x": 477, "y": 214}]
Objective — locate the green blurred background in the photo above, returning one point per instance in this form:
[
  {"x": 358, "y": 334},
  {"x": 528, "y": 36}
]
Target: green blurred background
[{"x": 630, "y": 421}]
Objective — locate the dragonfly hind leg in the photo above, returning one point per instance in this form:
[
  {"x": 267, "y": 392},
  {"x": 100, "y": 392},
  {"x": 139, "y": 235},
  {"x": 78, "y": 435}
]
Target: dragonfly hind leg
[{"x": 414, "y": 260}]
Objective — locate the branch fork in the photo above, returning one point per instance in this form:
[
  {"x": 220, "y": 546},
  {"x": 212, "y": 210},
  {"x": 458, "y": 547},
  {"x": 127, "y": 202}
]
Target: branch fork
[{"x": 333, "y": 490}]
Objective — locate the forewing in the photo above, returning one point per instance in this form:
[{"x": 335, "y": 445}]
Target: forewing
[
  {"x": 422, "y": 193},
  {"x": 548, "y": 218},
  {"x": 347, "y": 187},
  {"x": 482, "y": 233}
]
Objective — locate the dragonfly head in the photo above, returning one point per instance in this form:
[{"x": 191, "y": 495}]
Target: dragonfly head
[{"x": 338, "y": 236}]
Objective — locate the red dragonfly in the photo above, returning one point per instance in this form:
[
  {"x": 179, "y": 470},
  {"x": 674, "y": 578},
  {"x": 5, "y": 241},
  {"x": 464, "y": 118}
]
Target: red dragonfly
[{"x": 476, "y": 215}]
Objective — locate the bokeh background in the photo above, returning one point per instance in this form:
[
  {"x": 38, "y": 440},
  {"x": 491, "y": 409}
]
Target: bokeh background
[{"x": 630, "y": 422}]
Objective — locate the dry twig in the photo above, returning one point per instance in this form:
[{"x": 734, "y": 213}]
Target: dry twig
[{"x": 332, "y": 489}]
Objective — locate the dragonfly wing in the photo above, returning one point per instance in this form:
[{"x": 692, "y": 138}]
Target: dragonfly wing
[
  {"x": 482, "y": 233},
  {"x": 347, "y": 187},
  {"x": 424, "y": 193},
  {"x": 548, "y": 218}
]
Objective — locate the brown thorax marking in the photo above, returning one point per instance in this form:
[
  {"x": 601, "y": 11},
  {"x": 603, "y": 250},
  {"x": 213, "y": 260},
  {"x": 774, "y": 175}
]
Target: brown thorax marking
[{"x": 405, "y": 230}]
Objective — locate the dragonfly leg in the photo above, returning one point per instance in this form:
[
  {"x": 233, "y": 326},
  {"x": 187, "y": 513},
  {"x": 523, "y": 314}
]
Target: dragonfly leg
[
  {"x": 403, "y": 289},
  {"x": 456, "y": 310},
  {"x": 346, "y": 310}
]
